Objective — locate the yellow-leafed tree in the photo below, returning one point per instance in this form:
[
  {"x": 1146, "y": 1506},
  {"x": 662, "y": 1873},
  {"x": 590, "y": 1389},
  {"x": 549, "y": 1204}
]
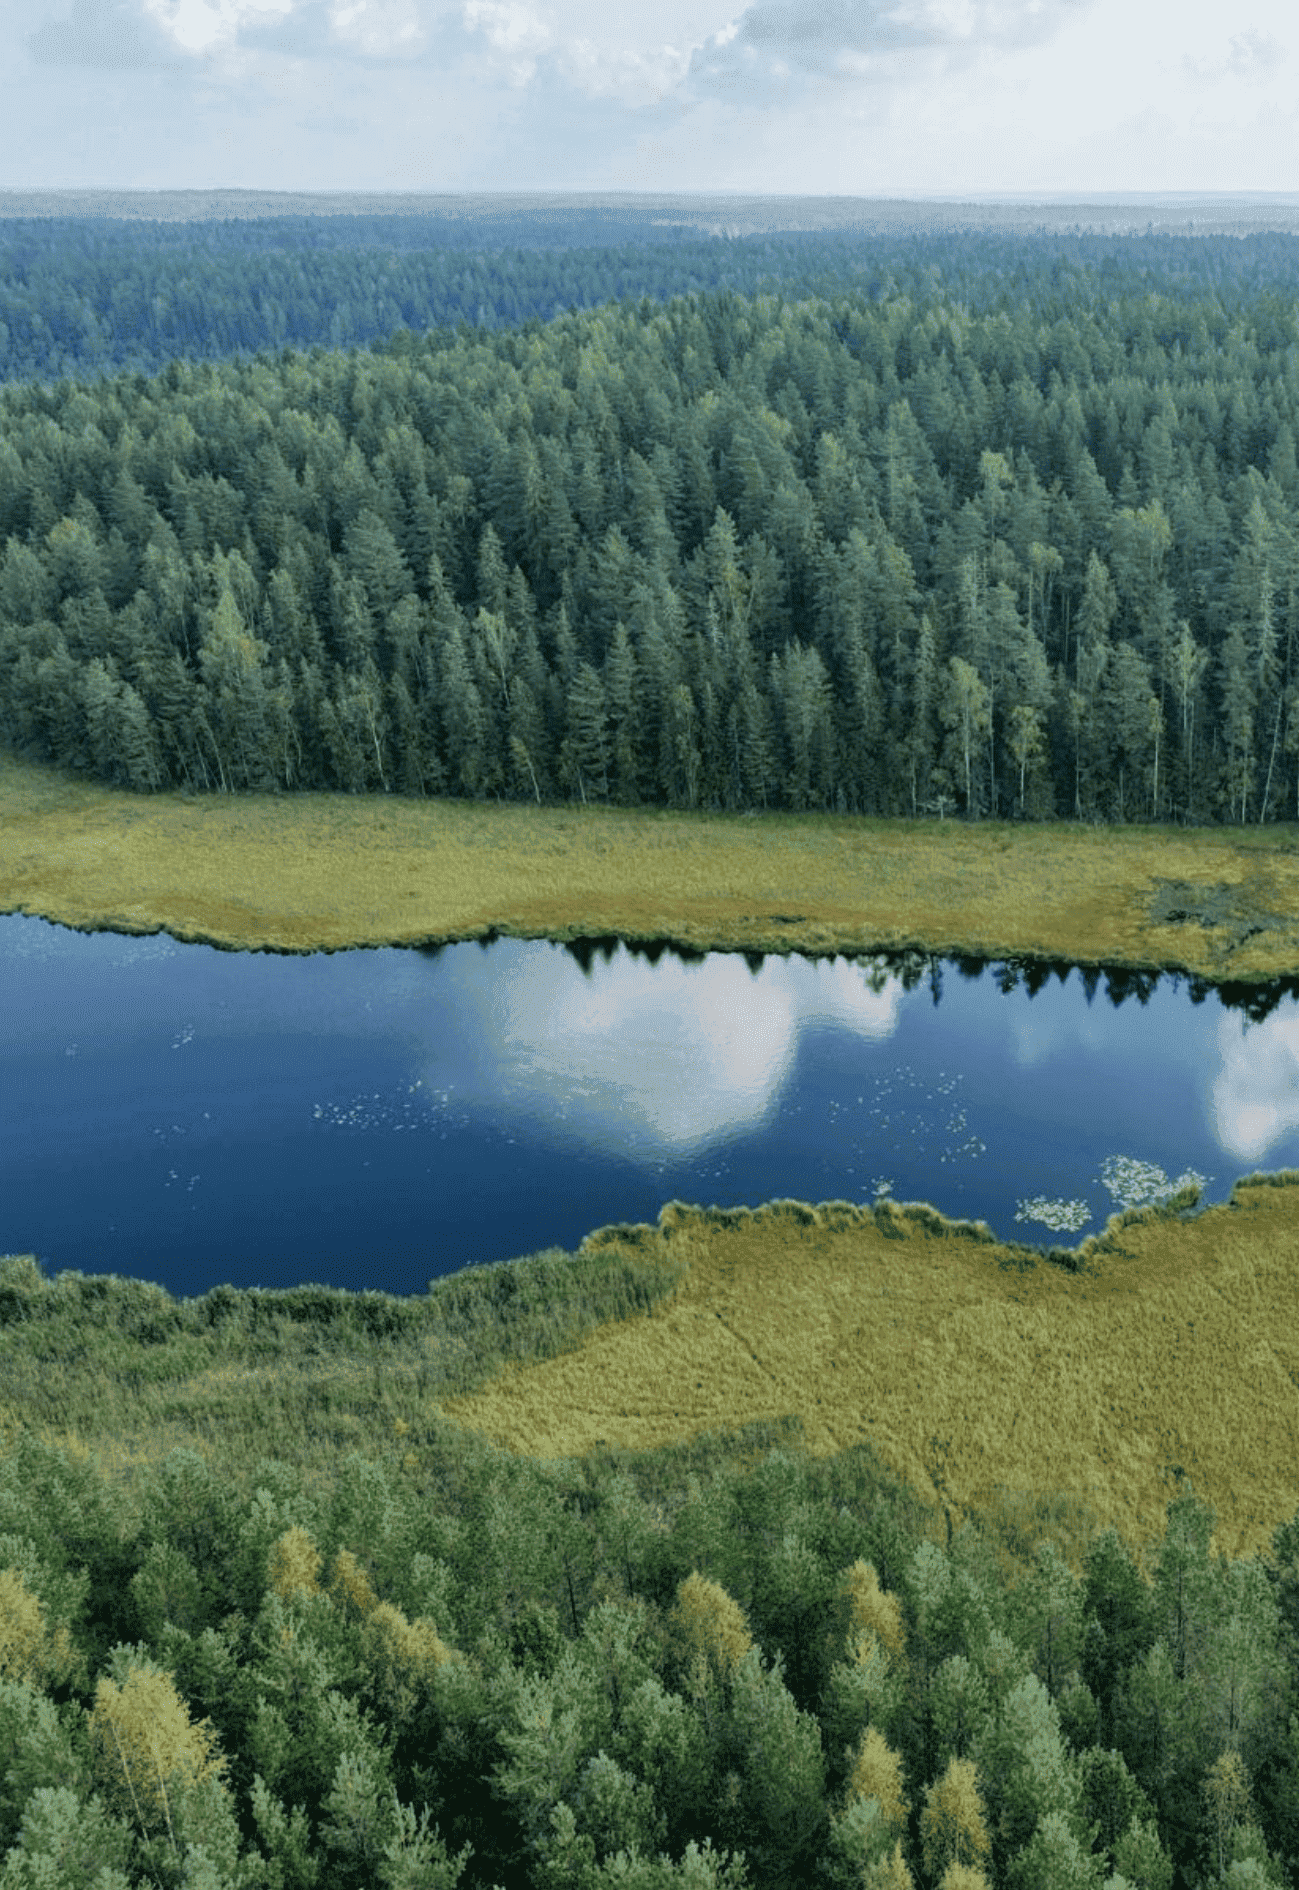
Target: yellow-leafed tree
[
  {"x": 351, "y": 1584},
  {"x": 713, "y": 1628},
  {"x": 28, "y": 1651},
  {"x": 144, "y": 1741},
  {"x": 877, "y": 1774},
  {"x": 403, "y": 1654},
  {"x": 952, "y": 1828},
  {"x": 871, "y": 1611},
  {"x": 889, "y": 1873},
  {"x": 963, "y": 1877},
  {"x": 293, "y": 1564},
  {"x": 1226, "y": 1791}
]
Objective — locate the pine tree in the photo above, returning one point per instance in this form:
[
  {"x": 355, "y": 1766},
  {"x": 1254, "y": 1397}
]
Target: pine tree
[
  {"x": 1242, "y": 1659},
  {"x": 232, "y": 663},
  {"x": 1140, "y": 1859},
  {"x": 1054, "y": 1859},
  {"x": 372, "y": 556},
  {"x": 527, "y": 738},
  {"x": 682, "y": 763},
  {"x": 67, "y": 1843},
  {"x": 1045, "y": 565},
  {"x": 495, "y": 638},
  {"x": 1049, "y": 1608},
  {"x": 1238, "y": 710},
  {"x": 960, "y": 1704},
  {"x": 920, "y": 747},
  {"x": 585, "y": 751},
  {"x": 647, "y": 518},
  {"x": 861, "y": 771},
  {"x": 621, "y": 692},
  {"x": 751, "y": 744},
  {"x": 1117, "y": 1622},
  {"x": 123, "y": 746},
  {"x": 1132, "y": 722},
  {"x": 464, "y": 718},
  {"x": 801, "y": 690},
  {"x": 778, "y": 1811},
  {"x": 1021, "y": 1754}
]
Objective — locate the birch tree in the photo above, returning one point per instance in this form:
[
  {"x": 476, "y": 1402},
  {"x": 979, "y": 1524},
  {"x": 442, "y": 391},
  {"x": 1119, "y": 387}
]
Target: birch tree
[
  {"x": 963, "y": 709},
  {"x": 1186, "y": 663}
]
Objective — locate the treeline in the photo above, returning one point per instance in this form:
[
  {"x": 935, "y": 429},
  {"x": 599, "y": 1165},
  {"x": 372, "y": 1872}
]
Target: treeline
[
  {"x": 877, "y": 556},
  {"x": 81, "y": 297}
]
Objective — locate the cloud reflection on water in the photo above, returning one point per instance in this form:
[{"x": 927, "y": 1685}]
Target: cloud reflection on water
[
  {"x": 681, "y": 1053},
  {"x": 1255, "y": 1094}
]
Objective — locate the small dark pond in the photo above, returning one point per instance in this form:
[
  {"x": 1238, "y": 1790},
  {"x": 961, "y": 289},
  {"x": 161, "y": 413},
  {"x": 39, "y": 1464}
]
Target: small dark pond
[{"x": 378, "y": 1118}]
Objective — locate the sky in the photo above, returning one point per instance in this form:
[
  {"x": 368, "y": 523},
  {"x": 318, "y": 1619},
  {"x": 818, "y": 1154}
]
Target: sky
[{"x": 870, "y": 98}]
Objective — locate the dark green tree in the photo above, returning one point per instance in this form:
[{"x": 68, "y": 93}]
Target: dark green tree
[
  {"x": 1118, "y": 1623},
  {"x": 800, "y": 690},
  {"x": 585, "y": 750}
]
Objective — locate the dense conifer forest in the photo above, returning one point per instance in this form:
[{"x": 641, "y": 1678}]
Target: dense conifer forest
[{"x": 1012, "y": 537}]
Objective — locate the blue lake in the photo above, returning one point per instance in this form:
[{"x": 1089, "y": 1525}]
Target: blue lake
[{"x": 378, "y": 1118}]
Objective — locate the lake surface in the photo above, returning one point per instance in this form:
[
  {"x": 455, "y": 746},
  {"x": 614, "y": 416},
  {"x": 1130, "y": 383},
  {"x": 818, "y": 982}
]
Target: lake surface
[{"x": 378, "y": 1118}]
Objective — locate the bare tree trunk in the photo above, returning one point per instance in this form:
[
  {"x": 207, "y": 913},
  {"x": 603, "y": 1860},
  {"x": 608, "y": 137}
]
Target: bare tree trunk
[{"x": 1276, "y": 730}]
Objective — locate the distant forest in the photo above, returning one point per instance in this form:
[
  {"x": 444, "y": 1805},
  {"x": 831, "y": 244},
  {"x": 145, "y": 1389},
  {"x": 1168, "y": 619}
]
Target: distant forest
[{"x": 990, "y": 525}]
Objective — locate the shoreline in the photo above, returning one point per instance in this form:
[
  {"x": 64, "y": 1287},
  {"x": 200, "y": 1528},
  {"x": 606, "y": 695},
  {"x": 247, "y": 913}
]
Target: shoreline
[{"x": 331, "y": 872}]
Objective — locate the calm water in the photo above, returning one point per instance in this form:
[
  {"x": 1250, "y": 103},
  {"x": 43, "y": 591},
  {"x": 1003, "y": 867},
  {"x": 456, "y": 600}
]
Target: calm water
[{"x": 378, "y": 1118}]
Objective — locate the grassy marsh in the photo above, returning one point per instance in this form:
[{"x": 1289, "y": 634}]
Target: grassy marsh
[
  {"x": 325, "y": 871},
  {"x": 1165, "y": 1346},
  {"x": 972, "y": 1368},
  {"x": 1039, "y": 1398}
]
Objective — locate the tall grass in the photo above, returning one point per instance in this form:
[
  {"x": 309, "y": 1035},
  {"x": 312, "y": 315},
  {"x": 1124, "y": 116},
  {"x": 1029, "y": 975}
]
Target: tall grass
[
  {"x": 1101, "y": 1375},
  {"x": 1034, "y": 1392},
  {"x": 323, "y": 871}
]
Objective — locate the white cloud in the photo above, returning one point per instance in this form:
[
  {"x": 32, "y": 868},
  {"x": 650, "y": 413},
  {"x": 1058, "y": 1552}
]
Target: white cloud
[
  {"x": 379, "y": 28},
  {"x": 855, "y": 97},
  {"x": 106, "y": 35},
  {"x": 1252, "y": 55},
  {"x": 517, "y": 33},
  {"x": 860, "y": 39}
]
